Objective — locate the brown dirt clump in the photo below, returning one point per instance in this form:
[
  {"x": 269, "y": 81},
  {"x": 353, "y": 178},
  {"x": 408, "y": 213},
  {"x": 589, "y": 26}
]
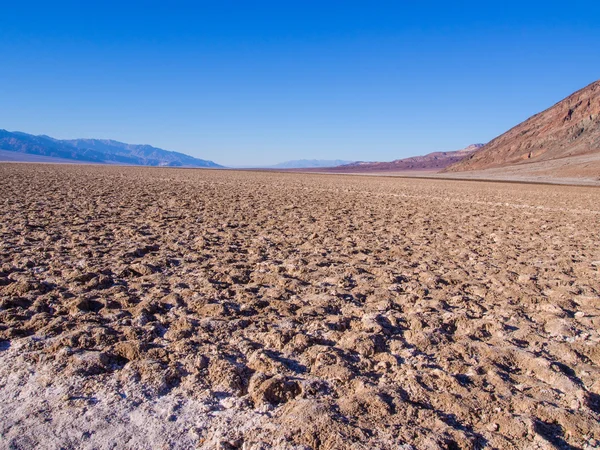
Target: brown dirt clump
[{"x": 164, "y": 308}]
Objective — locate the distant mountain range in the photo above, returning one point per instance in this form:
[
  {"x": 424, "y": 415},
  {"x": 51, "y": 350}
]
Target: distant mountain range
[
  {"x": 431, "y": 162},
  {"x": 570, "y": 129},
  {"x": 28, "y": 147},
  {"x": 310, "y": 163}
]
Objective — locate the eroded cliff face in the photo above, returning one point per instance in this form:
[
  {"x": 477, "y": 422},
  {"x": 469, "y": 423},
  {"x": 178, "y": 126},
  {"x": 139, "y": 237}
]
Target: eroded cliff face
[{"x": 569, "y": 128}]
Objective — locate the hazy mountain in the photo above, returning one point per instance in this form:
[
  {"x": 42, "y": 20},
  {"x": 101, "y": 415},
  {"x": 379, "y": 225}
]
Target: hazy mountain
[
  {"x": 569, "y": 129},
  {"x": 430, "y": 162},
  {"x": 310, "y": 163},
  {"x": 95, "y": 151}
]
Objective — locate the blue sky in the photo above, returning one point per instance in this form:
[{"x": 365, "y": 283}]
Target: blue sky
[{"x": 262, "y": 82}]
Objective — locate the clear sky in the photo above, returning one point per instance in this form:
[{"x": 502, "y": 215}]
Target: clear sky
[{"x": 259, "y": 82}]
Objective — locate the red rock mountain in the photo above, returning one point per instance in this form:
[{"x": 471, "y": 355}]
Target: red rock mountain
[{"x": 568, "y": 129}]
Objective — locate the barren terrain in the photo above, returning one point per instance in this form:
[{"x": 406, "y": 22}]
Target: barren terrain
[
  {"x": 570, "y": 128},
  {"x": 168, "y": 308}
]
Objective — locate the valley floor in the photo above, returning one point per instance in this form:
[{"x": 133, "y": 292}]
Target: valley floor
[{"x": 165, "y": 308}]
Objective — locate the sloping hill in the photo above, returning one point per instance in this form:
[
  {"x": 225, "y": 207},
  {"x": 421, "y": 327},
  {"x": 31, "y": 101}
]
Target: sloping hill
[
  {"x": 568, "y": 129},
  {"x": 95, "y": 151},
  {"x": 430, "y": 162}
]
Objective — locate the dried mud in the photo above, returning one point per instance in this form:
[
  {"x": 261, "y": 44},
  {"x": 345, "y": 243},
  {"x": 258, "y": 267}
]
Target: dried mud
[{"x": 162, "y": 308}]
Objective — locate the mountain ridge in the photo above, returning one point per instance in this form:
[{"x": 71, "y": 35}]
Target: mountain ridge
[
  {"x": 434, "y": 161},
  {"x": 99, "y": 151}
]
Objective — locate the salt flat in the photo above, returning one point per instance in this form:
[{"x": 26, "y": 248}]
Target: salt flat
[{"x": 170, "y": 308}]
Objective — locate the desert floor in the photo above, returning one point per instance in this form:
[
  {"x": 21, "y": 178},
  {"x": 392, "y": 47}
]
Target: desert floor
[{"x": 166, "y": 308}]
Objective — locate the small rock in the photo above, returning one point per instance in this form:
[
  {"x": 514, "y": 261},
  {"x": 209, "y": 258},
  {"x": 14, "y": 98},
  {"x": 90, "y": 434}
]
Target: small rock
[
  {"x": 213, "y": 310},
  {"x": 226, "y": 376},
  {"x": 19, "y": 288},
  {"x": 90, "y": 363},
  {"x": 275, "y": 390},
  {"x": 84, "y": 277},
  {"x": 129, "y": 350},
  {"x": 79, "y": 305},
  {"x": 493, "y": 427}
]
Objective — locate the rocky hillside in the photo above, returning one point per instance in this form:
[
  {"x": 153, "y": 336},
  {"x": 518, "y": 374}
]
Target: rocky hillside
[
  {"x": 430, "y": 162},
  {"x": 95, "y": 151},
  {"x": 568, "y": 129}
]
